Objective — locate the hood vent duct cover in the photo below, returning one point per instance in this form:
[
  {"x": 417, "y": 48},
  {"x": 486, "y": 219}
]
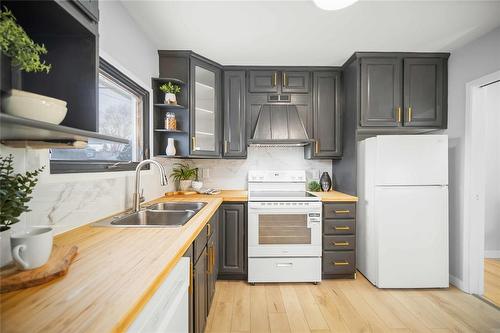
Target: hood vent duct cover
[{"x": 279, "y": 125}]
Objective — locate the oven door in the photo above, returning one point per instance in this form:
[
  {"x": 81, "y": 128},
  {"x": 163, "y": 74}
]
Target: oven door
[{"x": 284, "y": 229}]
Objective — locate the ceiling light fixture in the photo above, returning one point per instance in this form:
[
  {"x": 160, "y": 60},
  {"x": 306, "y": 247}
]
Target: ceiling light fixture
[{"x": 333, "y": 4}]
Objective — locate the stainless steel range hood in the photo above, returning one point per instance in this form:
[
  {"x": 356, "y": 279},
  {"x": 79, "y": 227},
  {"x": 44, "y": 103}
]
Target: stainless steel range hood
[{"x": 279, "y": 125}]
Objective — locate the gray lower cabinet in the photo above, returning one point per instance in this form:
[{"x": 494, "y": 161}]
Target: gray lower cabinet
[
  {"x": 212, "y": 262},
  {"x": 295, "y": 81},
  {"x": 326, "y": 112},
  {"x": 233, "y": 241},
  {"x": 235, "y": 141},
  {"x": 263, "y": 81},
  {"x": 339, "y": 240},
  {"x": 381, "y": 102},
  {"x": 200, "y": 292},
  {"x": 424, "y": 92}
]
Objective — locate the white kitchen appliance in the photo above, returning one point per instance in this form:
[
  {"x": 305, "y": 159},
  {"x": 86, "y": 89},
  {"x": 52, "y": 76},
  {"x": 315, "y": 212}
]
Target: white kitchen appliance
[
  {"x": 284, "y": 228},
  {"x": 402, "y": 216}
]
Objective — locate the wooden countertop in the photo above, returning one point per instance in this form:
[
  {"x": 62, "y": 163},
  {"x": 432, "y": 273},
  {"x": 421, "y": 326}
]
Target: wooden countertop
[
  {"x": 114, "y": 275},
  {"x": 334, "y": 196}
]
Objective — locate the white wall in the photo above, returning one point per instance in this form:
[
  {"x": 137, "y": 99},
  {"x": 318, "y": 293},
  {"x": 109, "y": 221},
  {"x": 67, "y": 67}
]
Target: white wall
[
  {"x": 232, "y": 174},
  {"x": 492, "y": 193},
  {"x": 472, "y": 61},
  {"x": 67, "y": 201}
]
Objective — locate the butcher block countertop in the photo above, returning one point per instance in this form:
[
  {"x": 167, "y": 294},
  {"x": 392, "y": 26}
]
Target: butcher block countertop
[{"x": 116, "y": 272}]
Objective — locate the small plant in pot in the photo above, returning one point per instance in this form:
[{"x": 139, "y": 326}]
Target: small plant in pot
[
  {"x": 183, "y": 174},
  {"x": 170, "y": 90},
  {"x": 15, "y": 193}
]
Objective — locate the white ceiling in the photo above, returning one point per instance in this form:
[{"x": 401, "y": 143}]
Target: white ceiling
[{"x": 298, "y": 33}]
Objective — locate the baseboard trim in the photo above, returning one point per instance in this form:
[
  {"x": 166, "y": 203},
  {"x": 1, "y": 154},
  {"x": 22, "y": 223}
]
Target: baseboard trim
[
  {"x": 457, "y": 282},
  {"x": 492, "y": 254}
]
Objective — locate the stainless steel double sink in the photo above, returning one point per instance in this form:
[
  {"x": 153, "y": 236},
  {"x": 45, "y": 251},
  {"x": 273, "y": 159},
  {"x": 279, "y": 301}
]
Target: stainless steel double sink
[{"x": 164, "y": 214}]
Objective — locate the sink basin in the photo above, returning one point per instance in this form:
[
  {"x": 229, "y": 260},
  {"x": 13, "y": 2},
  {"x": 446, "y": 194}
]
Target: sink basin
[
  {"x": 182, "y": 206},
  {"x": 151, "y": 218}
]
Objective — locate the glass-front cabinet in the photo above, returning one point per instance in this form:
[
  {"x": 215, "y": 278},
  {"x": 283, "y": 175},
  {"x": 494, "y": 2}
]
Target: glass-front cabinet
[{"x": 205, "y": 109}]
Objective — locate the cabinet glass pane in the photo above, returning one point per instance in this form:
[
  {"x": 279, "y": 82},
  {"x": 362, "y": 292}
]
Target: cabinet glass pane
[
  {"x": 204, "y": 111},
  {"x": 284, "y": 229}
]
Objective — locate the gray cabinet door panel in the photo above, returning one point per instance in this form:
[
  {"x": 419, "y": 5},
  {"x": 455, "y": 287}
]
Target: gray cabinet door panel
[
  {"x": 232, "y": 244},
  {"x": 235, "y": 143},
  {"x": 381, "y": 92},
  {"x": 326, "y": 114},
  {"x": 200, "y": 293},
  {"x": 423, "y": 92},
  {"x": 264, "y": 81},
  {"x": 295, "y": 82}
]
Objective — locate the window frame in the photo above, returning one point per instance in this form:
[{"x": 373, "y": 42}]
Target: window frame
[{"x": 85, "y": 166}]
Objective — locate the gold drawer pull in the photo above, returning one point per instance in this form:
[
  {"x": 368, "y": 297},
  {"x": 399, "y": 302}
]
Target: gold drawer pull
[
  {"x": 209, "y": 229},
  {"x": 340, "y": 263},
  {"x": 342, "y": 211},
  {"x": 342, "y": 228},
  {"x": 341, "y": 243}
]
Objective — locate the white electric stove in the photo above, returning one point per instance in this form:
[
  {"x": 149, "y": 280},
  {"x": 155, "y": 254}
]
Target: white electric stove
[{"x": 284, "y": 228}]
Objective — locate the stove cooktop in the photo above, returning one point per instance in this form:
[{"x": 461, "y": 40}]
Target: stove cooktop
[{"x": 281, "y": 196}]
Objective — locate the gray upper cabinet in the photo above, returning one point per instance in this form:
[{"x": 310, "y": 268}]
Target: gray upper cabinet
[
  {"x": 326, "y": 116},
  {"x": 295, "y": 82},
  {"x": 381, "y": 103},
  {"x": 235, "y": 143},
  {"x": 264, "y": 81},
  {"x": 205, "y": 109},
  {"x": 423, "y": 92}
]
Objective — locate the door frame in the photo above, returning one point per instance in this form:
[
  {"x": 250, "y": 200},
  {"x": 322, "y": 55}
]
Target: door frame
[{"x": 474, "y": 185}]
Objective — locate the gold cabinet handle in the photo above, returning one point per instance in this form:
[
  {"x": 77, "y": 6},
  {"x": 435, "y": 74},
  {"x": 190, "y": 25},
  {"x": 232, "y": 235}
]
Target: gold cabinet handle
[
  {"x": 225, "y": 146},
  {"x": 213, "y": 258},
  {"x": 342, "y": 211},
  {"x": 341, "y": 243},
  {"x": 399, "y": 114},
  {"x": 191, "y": 277},
  {"x": 275, "y": 78},
  {"x": 209, "y": 229},
  {"x": 410, "y": 113},
  {"x": 340, "y": 263},
  {"x": 342, "y": 228},
  {"x": 285, "y": 84},
  {"x": 316, "y": 150},
  {"x": 193, "y": 141}
]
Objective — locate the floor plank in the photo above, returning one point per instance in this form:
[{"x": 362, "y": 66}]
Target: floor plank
[
  {"x": 346, "y": 306},
  {"x": 492, "y": 280}
]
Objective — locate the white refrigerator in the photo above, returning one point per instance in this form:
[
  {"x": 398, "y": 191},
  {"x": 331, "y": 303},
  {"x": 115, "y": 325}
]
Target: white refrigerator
[{"x": 402, "y": 215}]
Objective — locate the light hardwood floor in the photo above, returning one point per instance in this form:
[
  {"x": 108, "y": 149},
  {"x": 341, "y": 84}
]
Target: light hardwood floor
[
  {"x": 346, "y": 306},
  {"x": 492, "y": 280}
]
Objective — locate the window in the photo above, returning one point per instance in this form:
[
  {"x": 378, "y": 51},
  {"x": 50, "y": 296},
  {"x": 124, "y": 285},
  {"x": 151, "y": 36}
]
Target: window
[{"x": 123, "y": 112}]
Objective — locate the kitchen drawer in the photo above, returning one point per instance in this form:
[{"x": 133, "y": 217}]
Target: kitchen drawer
[
  {"x": 199, "y": 243},
  {"x": 339, "y": 262},
  {"x": 302, "y": 269},
  {"x": 341, "y": 242},
  {"x": 339, "y": 227},
  {"x": 339, "y": 211}
]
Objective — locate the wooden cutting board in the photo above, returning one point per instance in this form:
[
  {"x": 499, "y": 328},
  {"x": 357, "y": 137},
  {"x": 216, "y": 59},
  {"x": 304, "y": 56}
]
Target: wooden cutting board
[{"x": 11, "y": 278}]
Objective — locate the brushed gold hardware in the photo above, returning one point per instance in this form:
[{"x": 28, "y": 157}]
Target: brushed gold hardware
[
  {"x": 340, "y": 263},
  {"x": 275, "y": 78},
  {"x": 317, "y": 147},
  {"x": 209, "y": 260},
  {"x": 193, "y": 139},
  {"x": 342, "y": 211},
  {"x": 209, "y": 229},
  {"x": 285, "y": 84},
  {"x": 410, "y": 112},
  {"x": 399, "y": 114},
  {"x": 341, "y": 243},
  {"x": 342, "y": 228},
  {"x": 190, "y": 277},
  {"x": 225, "y": 146}
]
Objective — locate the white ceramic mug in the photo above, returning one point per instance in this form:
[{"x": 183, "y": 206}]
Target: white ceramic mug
[{"x": 32, "y": 248}]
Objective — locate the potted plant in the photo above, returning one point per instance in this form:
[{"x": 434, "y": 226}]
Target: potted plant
[
  {"x": 184, "y": 174},
  {"x": 21, "y": 53},
  {"x": 170, "y": 90},
  {"x": 15, "y": 193}
]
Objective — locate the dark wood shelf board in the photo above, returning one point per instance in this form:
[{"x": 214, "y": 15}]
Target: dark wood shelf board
[
  {"x": 169, "y": 79},
  {"x": 169, "y": 131},
  {"x": 175, "y": 156},
  {"x": 169, "y": 106},
  {"x": 19, "y": 129}
]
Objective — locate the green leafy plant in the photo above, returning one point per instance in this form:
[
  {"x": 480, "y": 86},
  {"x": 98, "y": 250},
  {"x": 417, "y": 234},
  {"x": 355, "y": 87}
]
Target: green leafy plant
[
  {"x": 16, "y": 43},
  {"x": 15, "y": 191},
  {"x": 183, "y": 172},
  {"x": 314, "y": 186},
  {"x": 170, "y": 88}
]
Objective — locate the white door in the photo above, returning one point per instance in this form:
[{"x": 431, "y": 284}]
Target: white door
[
  {"x": 412, "y": 229},
  {"x": 412, "y": 160}
]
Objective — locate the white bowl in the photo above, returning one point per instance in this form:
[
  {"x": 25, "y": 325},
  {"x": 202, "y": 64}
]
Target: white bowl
[
  {"x": 34, "y": 106},
  {"x": 196, "y": 185}
]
